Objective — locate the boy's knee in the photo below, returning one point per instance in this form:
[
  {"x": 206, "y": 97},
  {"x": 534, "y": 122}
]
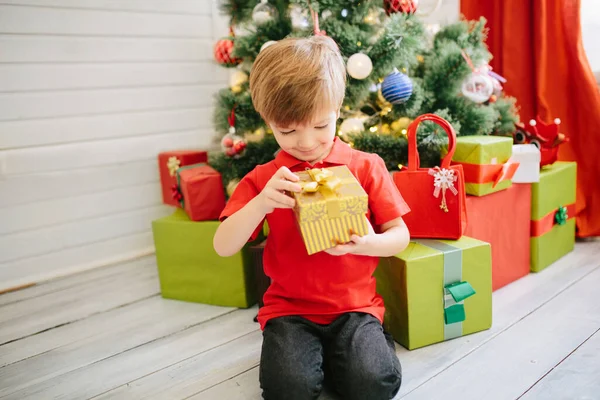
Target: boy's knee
[
  {"x": 291, "y": 385},
  {"x": 377, "y": 382}
]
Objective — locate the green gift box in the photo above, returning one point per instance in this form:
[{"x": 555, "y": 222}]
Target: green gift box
[
  {"x": 436, "y": 290},
  {"x": 189, "y": 269},
  {"x": 485, "y": 161},
  {"x": 553, "y": 214}
]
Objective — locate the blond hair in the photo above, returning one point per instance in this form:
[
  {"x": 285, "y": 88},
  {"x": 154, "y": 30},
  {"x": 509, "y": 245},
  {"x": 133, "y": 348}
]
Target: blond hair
[{"x": 294, "y": 78}]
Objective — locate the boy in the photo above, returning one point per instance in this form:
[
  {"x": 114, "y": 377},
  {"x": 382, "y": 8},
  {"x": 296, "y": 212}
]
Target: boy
[{"x": 321, "y": 312}]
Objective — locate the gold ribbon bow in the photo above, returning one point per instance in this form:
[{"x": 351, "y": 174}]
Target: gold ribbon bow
[
  {"x": 173, "y": 165},
  {"x": 324, "y": 182}
]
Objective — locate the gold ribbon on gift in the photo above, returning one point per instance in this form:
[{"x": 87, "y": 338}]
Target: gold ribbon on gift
[{"x": 324, "y": 182}]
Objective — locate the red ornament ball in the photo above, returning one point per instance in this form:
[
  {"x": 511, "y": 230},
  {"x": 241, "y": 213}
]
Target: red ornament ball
[
  {"x": 403, "y": 6},
  {"x": 239, "y": 146},
  {"x": 222, "y": 51},
  {"x": 227, "y": 142}
]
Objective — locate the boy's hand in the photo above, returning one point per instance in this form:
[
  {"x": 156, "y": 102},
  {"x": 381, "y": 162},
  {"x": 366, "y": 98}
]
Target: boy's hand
[
  {"x": 360, "y": 245},
  {"x": 273, "y": 195}
]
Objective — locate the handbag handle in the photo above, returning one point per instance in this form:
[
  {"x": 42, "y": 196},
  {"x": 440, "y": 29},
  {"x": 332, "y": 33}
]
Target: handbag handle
[{"x": 413, "y": 154}]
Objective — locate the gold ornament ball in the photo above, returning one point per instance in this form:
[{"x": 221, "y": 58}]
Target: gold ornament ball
[
  {"x": 236, "y": 89},
  {"x": 403, "y": 123},
  {"x": 231, "y": 186},
  {"x": 238, "y": 78},
  {"x": 385, "y": 129}
]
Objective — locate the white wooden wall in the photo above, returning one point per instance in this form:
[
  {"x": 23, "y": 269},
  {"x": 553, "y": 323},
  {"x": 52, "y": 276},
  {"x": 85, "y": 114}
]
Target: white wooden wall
[
  {"x": 590, "y": 26},
  {"x": 90, "y": 92}
]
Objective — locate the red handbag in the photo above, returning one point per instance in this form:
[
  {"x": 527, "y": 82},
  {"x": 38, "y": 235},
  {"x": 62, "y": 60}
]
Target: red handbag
[{"x": 436, "y": 196}]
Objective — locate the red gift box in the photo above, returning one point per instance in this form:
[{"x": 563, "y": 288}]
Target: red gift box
[
  {"x": 436, "y": 196},
  {"x": 202, "y": 194},
  {"x": 503, "y": 220},
  {"x": 169, "y": 162}
]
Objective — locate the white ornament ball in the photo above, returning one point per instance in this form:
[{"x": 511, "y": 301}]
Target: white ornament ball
[
  {"x": 478, "y": 87},
  {"x": 299, "y": 17},
  {"x": 267, "y": 44},
  {"x": 238, "y": 78},
  {"x": 359, "y": 66},
  {"x": 264, "y": 12},
  {"x": 351, "y": 125}
]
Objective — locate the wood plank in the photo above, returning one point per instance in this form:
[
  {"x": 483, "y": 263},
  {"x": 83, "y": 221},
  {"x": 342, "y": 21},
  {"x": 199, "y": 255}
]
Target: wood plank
[
  {"x": 101, "y": 153},
  {"x": 78, "y": 208},
  {"x": 73, "y": 280},
  {"x": 158, "y": 6},
  {"x": 32, "y": 316},
  {"x": 45, "y": 77},
  {"x": 72, "y": 49},
  {"x": 40, "y": 304},
  {"x": 576, "y": 377},
  {"x": 19, "y": 106},
  {"x": 80, "y": 344},
  {"x": 244, "y": 386},
  {"x": 505, "y": 367},
  {"x": 75, "y": 260},
  {"x": 43, "y": 132},
  {"x": 61, "y": 21},
  {"x": 510, "y": 305},
  {"x": 73, "y": 234},
  {"x": 199, "y": 351},
  {"x": 44, "y": 186},
  {"x": 195, "y": 374}
]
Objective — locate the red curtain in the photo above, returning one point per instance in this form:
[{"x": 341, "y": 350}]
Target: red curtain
[{"x": 538, "y": 48}]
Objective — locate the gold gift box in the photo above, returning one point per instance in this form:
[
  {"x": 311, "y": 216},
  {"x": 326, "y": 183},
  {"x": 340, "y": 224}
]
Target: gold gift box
[{"x": 331, "y": 207}]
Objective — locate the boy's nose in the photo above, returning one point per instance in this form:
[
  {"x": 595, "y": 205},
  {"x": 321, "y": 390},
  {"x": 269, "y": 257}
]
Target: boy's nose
[{"x": 306, "y": 144}]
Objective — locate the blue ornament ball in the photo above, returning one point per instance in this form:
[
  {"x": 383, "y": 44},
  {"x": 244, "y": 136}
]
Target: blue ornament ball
[{"x": 397, "y": 88}]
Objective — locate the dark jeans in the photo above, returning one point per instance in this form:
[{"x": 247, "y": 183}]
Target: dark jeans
[{"x": 353, "y": 354}]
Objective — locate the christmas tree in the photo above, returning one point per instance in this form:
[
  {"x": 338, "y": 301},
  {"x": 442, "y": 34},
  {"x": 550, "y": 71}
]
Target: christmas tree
[{"x": 398, "y": 69}]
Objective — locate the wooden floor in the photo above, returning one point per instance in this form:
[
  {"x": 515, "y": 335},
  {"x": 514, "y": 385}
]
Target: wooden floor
[{"x": 108, "y": 334}]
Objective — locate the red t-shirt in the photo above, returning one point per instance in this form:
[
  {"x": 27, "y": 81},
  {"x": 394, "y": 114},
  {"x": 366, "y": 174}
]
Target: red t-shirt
[{"x": 319, "y": 287}]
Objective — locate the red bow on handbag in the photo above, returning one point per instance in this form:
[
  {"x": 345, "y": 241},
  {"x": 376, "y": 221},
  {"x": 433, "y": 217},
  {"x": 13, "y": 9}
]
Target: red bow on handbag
[{"x": 436, "y": 196}]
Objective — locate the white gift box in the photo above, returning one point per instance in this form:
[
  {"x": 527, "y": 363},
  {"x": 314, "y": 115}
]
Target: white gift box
[{"x": 528, "y": 157}]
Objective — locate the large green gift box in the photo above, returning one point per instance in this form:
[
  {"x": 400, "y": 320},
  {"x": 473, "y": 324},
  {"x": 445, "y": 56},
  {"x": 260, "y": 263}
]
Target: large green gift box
[
  {"x": 485, "y": 161},
  {"x": 189, "y": 269},
  {"x": 553, "y": 214},
  {"x": 436, "y": 290}
]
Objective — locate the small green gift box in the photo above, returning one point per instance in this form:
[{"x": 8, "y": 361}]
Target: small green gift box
[
  {"x": 553, "y": 214},
  {"x": 485, "y": 161},
  {"x": 189, "y": 269},
  {"x": 436, "y": 290}
]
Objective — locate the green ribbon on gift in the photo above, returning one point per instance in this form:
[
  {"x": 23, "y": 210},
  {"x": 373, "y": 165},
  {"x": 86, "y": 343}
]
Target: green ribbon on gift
[
  {"x": 561, "y": 215},
  {"x": 455, "y": 289},
  {"x": 182, "y": 201}
]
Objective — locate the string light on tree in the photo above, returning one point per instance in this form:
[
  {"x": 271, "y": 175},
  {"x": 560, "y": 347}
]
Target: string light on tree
[
  {"x": 375, "y": 16},
  {"x": 359, "y": 66},
  {"x": 396, "y": 87},
  {"x": 264, "y": 12}
]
